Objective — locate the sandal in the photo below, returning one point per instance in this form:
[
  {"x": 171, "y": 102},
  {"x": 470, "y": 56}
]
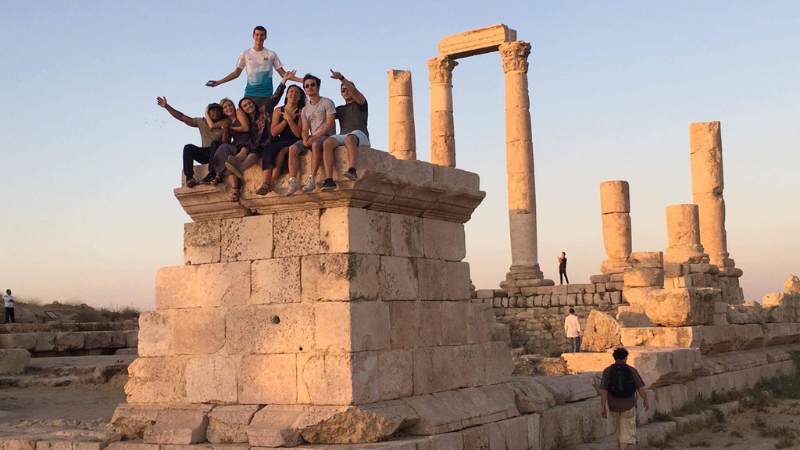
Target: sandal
[
  {"x": 217, "y": 180},
  {"x": 264, "y": 189},
  {"x": 235, "y": 196}
]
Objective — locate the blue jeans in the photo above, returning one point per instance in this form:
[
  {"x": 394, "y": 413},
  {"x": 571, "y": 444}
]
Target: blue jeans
[{"x": 574, "y": 344}]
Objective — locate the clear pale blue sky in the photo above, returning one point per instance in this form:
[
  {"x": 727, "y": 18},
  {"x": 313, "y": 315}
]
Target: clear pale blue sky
[{"x": 90, "y": 160}]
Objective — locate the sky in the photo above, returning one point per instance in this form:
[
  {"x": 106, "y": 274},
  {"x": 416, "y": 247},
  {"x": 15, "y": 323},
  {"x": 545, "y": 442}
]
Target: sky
[{"x": 87, "y": 211}]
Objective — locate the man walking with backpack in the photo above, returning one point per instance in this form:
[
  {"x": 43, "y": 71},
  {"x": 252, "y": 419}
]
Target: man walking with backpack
[{"x": 618, "y": 387}]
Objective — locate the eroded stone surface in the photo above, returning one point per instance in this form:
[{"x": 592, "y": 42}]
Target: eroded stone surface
[{"x": 602, "y": 333}]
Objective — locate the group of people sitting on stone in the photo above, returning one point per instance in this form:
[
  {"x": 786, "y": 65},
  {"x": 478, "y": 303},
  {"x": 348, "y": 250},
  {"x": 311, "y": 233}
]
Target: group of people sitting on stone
[{"x": 234, "y": 139}]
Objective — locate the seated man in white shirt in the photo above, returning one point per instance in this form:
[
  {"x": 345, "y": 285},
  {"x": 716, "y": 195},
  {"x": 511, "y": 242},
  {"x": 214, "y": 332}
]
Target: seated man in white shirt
[{"x": 572, "y": 326}]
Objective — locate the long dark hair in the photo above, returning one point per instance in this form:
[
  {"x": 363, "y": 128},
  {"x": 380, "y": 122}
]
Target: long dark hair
[
  {"x": 256, "y": 114},
  {"x": 300, "y": 103}
]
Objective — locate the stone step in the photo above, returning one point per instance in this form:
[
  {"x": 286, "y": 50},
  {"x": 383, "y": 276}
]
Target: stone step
[{"x": 657, "y": 365}]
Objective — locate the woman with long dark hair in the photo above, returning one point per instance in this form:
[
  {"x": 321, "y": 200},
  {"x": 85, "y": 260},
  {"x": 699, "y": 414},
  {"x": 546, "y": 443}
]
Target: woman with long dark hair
[
  {"x": 240, "y": 130},
  {"x": 286, "y": 129}
]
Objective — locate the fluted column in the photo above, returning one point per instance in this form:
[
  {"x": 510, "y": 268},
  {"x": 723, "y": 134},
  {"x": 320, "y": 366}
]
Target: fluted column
[
  {"x": 519, "y": 163},
  {"x": 443, "y": 141},
  {"x": 402, "y": 134},
  {"x": 615, "y": 208},
  {"x": 705, "y": 140},
  {"x": 683, "y": 236}
]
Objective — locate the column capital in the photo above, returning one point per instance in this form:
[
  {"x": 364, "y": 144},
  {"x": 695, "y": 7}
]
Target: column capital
[
  {"x": 515, "y": 56},
  {"x": 441, "y": 70}
]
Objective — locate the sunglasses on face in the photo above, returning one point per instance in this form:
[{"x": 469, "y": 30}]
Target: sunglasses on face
[
  {"x": 310, "y": 85},
  {"x": 343, "y": 91}
]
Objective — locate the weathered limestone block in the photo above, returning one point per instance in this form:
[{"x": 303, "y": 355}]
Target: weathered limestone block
[
  {"x": 370, "y": 423},
  {"x": 159, "y": 380},
  {"x": 228, "y": 424},
  {"x": 18, "y": 444},
  {"x": 479, "y": 325},
  {"x": 792, "y": 284},
  {"x": 349, "y": 276},
  {"x": 355, "y": 230},
  {"x": 476, "y": 42},
  {"x": 352, "y": 326},
  {"x": 131, "y": 420},
  {"x": 203, "y": 286},
  {"x": 499, "y": 364},
  {"x": 439, "y": 369},
  {"x": 443, "y": 240},
  {"x": 271, "y": 427},
  {"x": 602, "y": 333},
  {"x": 406, "y": 235},
  {"x": 530, "y": 396},
  {"x": 275, "y": 281},
  {"x": 632, "y": 317},
  {"x": 296, "y": 233},
  {"x": 247, "y": 238},
  {"x": 132, "y": 339},
  {"x": 617, "y": 235},
  {"x": 415, "y": 324},
  {"x": 573, "y": 423},
  {"x": 265, "y": 329},
  {"x": 706, "y": 151},
  {"x": 395, "y": 374},
  {"x": 211, "y": 379},
  {"x": 443, "y": 280},
  {"x": 202, "y": 242},
  {"x": 46, "y": 342},
  {"x": 615, "y": 197},
  {"x": 69, "y": 340},
  {"x": 179, "y": 426},
  {"x": 454, "y": 331},
  {"x": 398, "y": 278},
  {"x": 644, "y": 277},
  {"x": 683, "y": 233},
  {"x": 681, "y": 307},
  {"x": 326, "y": 377},
  {"x": 13, "y": 361},
  {"x": 264, "y": 379},
  {"x": 24, "y": 341}
]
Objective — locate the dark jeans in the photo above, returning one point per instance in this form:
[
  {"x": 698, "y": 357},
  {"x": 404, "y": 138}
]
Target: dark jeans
[
  {"x": 562, "y": 275},
  {"x": 574, "y": 344},
  {"x": 203, "y": 155},
  {"x": 10, "y": 315}
]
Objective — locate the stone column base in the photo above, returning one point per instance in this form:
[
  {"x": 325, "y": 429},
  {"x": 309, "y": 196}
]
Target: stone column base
[
  {"x": 524, "y": 276},
  {"x": 609, "y": 266}
]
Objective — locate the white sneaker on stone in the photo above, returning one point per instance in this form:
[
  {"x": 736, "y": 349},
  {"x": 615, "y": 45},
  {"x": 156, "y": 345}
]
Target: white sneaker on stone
[
  {"x": 310, "y": 184},
  {"x": 293, "y": 186}
]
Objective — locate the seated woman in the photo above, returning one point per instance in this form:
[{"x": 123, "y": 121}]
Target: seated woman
[
  {"x": 241, "y": 132},
  {"x": 285, "y": 130},
  {"x": 260, "y": 123}
]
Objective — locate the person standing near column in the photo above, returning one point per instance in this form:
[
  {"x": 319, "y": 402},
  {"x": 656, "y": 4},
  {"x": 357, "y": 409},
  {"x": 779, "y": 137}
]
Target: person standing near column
[
  {"x": 8, "y": 299},
  {"x": 562, "y": 268},
  {"x": 572, "y": 326}
]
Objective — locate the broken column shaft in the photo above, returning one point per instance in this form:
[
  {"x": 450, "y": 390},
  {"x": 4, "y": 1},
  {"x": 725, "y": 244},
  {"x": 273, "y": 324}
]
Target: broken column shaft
[
  {"x": 443, "y": 142},
  {"x": 683, "y": 236},
  {"x": 402, "y": 134},
  {"x": 615, "y": 207}
]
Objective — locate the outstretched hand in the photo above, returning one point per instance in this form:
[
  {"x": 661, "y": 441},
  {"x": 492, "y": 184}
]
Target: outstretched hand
[
  {"x": 336, "y": 75},
  {"x": 162, "y": 101},
  {"x": 212, "y": 83},
  {"x": 288, "y": 75}
]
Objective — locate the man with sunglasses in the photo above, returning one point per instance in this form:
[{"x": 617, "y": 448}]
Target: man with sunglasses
[
  {"x": 352, "y": 130},
  {"x": 259, "y": 62},
  {"x": 318, "y": 124}
]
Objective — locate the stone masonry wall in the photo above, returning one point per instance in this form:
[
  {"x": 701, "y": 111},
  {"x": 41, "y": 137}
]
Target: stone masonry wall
[{"x": 536, "y": 318}]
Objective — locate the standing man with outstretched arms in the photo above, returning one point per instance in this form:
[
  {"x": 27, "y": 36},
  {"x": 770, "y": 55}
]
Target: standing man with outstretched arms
[{"x": 259, "y": 63}]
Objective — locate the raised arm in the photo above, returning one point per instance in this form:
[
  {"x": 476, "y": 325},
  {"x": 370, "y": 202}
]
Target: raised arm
[
  {"x": 292, "y": 77},
  {"x": 276, "y": 96},
  {"x": 357, "y": 95},
  {"x": 162, "y": 102},
  {"x": 231, "y": 76},
  {"x": 218, "y": 124}
]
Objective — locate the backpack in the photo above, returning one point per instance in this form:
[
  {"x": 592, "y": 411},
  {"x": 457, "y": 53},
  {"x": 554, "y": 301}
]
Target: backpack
[{"x": 620, "y": 381}]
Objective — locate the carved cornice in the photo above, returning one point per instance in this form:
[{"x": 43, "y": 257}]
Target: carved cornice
[
  {"x": 441, "y": 70},
  {"x": 515, "y": 56}
]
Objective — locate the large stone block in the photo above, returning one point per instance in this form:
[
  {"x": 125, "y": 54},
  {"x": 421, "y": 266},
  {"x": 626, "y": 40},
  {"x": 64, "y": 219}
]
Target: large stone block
[
  {"x": 617, "y": 235},
  {"x": 274, "y": 428},
  {"x": 476, "y": 42},
  {"x": 197, "y": 331},
  {"x": 178, "y": 426},
  {"x": 275, "y": 281},
  {"x": 25, "y": 341},
  {"x": 644, "y": 277},
  {"x": 46, "y": 341},
  {"x": 211, "y": 379},
  {"x": 455, "y": 328},
  {"x": 296, "y": 233},
  {"x": 615, "y": 197},
  {"x": 480, "y": 323},
  {"x": 681, "y": 307},
  {"x": 398, "y": 278},
  {"x": 439, "y": 369},
  {"x": 228, "y": 424},
  {"x": 266, "y": 329},
  {"x": 207, "y": 285},
  {"x": 499, "y": 365},
  {"x": 247, "y": 238},
  {"x": 530, "y": 396},
  {"x": 415, "y": 324},
  {"x": 342, "y": 277},
  {"x": 443, "y": 280},
  {"x": 69, "y": 340},
  {"x": 602, "y": 333},
  {"x": 201, "y": 242},
  {"x": 160, "y": 380},
  {"x": 13, "y": 361},
  {"x": 352, "y": 326},
  {"x": 355, "y": 230},
  {"x": 265, "y": 379},
  {"x": 395, "y": 374},
  {"x": 406, "y": 235},
  {"x": 337, "y": 378},
  {"x": 444, "y": 240}
]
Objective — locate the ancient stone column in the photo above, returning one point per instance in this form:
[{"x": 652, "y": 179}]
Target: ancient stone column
[
  {"x": 615, "y": 207},
  {"x": 519, "y": 163},
  {"x": 683, "y": 236},
  {"x": 402, "y": 135},
  {"x": 443, "y": 141},
  {"x": 705, "y": 140}
]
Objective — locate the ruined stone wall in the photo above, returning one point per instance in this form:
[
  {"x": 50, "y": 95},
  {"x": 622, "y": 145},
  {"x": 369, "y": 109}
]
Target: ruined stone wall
[{"x": 536, "y": 320}]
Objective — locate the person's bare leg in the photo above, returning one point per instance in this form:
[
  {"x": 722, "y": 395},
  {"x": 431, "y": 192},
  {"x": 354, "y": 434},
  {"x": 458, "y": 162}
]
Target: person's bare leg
[
  {"x": 316, "y": 157},
  {"x": 279, "y": 159},
  {"x": 294, "y": 161},
  {"x": 242, "y": 154},
  {"x": 249, "y": 161},
  {"x": 328, "y": 148},
  {"x": 265, "y": 174},
  {"x": 351, "y": 142}
]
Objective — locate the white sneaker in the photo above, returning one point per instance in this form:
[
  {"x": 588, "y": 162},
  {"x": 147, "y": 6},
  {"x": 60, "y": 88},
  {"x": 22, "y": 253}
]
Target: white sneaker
[
  {"x": 293, "y": 186},
  {"x": 310, "y": 184}
]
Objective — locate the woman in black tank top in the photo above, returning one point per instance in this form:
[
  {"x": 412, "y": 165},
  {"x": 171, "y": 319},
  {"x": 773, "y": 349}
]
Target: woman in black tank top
[{"x": 286, "y": 130}]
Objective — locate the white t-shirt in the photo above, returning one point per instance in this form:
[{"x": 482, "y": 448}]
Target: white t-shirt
[
  {"x": 8, "y": 300},
  {"x": 316, "y": 115},
  {"x": 259, "y": 67},
  {"x": 572, "y": 326}
]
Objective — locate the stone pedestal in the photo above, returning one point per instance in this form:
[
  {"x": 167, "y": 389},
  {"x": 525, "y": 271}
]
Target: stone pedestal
[
  {"x": 615, "y": 207},
  {"x": 683, "y": 236},
  {"x": 314, "y": 303},
  {"x": 443, "y": 141},
  {"x": 402, "y": 133}
]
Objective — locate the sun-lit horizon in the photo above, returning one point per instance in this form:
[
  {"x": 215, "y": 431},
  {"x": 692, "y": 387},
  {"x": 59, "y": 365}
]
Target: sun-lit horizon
[{"x": 88, "y": 212}]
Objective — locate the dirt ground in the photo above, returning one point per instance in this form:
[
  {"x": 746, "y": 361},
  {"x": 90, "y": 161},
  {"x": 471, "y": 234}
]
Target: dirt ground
[
  {"x": 742, "y": 431},
  {"x": 85, "y": 403}
]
